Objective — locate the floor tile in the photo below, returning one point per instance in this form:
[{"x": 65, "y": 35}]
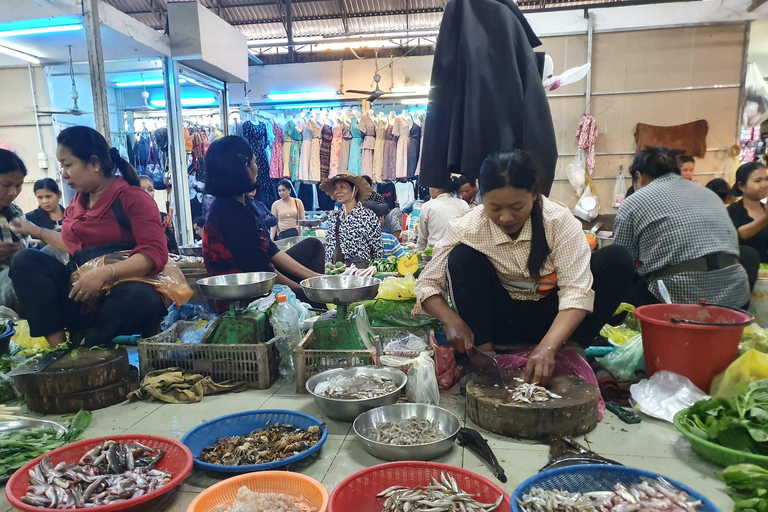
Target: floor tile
[
  {"x": 518, "y": 465},
  {"x": 615, "y": 439},
  {"x": 124, "y": 415},
  {"x": 176, "y": 501},
  {"x": 4, "y": 505},
  {"x": 170, "y": 434},
  {"x": 498, "y": 441},
  {"x": 307, "y": 405}
]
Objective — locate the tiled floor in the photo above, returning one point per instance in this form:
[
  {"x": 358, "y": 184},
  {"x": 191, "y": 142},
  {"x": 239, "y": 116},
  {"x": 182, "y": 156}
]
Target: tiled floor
[{"x": 651, "y": 445}]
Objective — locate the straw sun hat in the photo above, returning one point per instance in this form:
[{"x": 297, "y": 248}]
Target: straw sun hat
[{"x": 364, "y": 190}]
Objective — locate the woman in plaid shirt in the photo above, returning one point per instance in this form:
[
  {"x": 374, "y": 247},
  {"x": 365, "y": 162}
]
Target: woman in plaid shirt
[{"x": 492, "y": 258}]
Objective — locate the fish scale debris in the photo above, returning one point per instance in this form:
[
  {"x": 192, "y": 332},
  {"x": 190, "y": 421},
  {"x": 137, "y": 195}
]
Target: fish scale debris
[
  {"x": 439, "y": 496},
  {"x": 530, "y": 393},
  {"x": 408, "y": 432}
]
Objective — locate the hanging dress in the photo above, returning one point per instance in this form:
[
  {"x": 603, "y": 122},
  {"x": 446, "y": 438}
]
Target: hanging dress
[
  {"x": 290, "y": 128},
  {"x": 276, "y": 160},
  {"x": 325, "y": 151},
  {"x": 336, "y": 149},
  {"x": 314, "y": 156},
  {"x": 346, "y": 143},
  {"x": 378, "y": 151},
  {"x": 368, "y": 129},
  {"x": 414, "y": 145},
  {"x": 287, "y": 142},
  {"x": 306, "y": 150},
  {"x": 390, "y": 153},
  {"x": 256, "y": 135},
  {"x": 355, "y": 152},
  {"x": 402, "y": 131},
  {"x": 421, "y": 146}
]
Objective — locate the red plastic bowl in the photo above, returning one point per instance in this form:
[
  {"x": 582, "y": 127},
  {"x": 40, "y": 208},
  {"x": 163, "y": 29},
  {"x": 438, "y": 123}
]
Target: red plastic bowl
[
  {"x": 358, "y": 492},
  {"x": 177, "y": 461}
]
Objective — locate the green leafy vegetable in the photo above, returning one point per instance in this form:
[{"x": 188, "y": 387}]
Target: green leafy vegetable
[
  {"x": 384, "y": 265},
  {"x": 18, "y": 448},
  {"x": 751, "y": 485},
  {"x": 740, "y": 423}
]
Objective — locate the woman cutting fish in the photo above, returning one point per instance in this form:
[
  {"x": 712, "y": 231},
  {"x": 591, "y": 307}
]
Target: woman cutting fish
[{"x": 519, "y": 271}]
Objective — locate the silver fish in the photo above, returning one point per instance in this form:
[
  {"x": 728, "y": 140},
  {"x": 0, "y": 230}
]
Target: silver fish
[{"x": 439, "y": 496}]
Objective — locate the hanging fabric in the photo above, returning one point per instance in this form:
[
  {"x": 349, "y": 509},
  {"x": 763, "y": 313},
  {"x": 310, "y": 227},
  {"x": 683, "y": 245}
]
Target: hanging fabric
[
  {"x": 414, "y": 146},
  {"x": 368, "y": 130},
  {"x": 314, "y": 156},
  {"x": 346, "y": 144},
  {"x": 336, "y": 143},
  {"x": 587, "y": 136},
  {"x": 306, "y": 149},
  {"x": 355, "y": 150},
  {"x": 276, "y": 155},
  {"x": 390, "y": 154},
  {"x": 402, "y": 132},
  {"x": 326, "y": 138},
  {"x": 378, "y": 150}
]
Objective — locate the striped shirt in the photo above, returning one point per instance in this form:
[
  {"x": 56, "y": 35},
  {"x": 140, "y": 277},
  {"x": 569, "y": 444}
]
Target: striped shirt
[
  {"x": 392, "y": 246},
  {"x": 569, "y": 256},
  {"x": 671, "y": 221}
]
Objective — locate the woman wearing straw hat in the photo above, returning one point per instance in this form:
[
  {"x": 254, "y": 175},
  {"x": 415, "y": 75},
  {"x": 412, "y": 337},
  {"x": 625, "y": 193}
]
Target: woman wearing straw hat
[{"x": 353, "y": 234}]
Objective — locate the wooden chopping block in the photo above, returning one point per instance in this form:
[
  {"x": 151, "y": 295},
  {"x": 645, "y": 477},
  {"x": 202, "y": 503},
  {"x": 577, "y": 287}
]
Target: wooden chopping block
[
  {"x": 574, "y": 414},
  {"x": 89, "y": 400},
  {"x": 89, "y": 369}
]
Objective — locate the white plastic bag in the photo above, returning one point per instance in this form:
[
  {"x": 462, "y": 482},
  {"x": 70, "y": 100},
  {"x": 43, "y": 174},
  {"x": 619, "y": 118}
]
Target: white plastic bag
[
  {"x": 619, "y": 190},
  {"x": 587, "y": 208},
  {"x": 422, "y": 381},
  {"x": 576, "y": 172},
  {"x": 755, "y": 98},
  {"x": 665, "y": 394}
]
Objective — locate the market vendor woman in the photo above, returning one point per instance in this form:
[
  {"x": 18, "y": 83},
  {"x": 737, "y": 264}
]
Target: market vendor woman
[{"x": 492, "y": 256}]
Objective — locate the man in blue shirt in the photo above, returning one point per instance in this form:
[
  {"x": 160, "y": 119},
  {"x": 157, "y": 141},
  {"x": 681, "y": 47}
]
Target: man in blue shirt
[{"x": 392, "y": 246}]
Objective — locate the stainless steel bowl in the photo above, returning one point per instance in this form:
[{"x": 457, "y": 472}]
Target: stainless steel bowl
[
  {"x": 191, "y": 250},
  {"x": 448, "y": 423},
  {"x": 27, "y": 423},
  {"x": 348, "y": 410},
  {"x": 231, "y": 287},
  {"x": 340, "y": 289}
]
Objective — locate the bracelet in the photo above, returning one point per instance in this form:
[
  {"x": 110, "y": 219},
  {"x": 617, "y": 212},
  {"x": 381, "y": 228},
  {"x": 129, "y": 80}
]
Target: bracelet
[
  {"x": 112, "y": 280},
  {"x": 40, "y": 237}
]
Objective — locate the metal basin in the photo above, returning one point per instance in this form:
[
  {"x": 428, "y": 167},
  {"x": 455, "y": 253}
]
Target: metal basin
[
  {"x": 448, "y": 422},
  {"x": 191, "y": 250},
  {"x": 231, "y": 287},
  {"x": 28, "y": 423},
  {"x": 348, "y": 410},
  {"x": 340, "y": 289}
]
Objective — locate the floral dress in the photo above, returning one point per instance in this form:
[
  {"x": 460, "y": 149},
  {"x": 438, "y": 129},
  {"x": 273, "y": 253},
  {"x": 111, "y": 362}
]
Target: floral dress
[
  {"x": 325, "y": 151},
  {"x": 390, "y": 154},
  {"x": 355, "y": 151},
  {"x": 336, "y": 150},
  {"x": 378, "y": 150},
  {"x": 346, "y": 144},
  {"x": 287, "y": 142},
  {"x": 368, "y": 129},
  {"x": 295, "y": 162},
  {"x": 276, "y": 162},
  {"x": 403, "y": 132}
]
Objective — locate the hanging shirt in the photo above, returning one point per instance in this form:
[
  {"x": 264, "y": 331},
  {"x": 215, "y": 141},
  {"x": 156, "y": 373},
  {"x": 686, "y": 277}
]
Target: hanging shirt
[
  {"x": 405, "y": 193},
  {"x": 387, "y": 191}
]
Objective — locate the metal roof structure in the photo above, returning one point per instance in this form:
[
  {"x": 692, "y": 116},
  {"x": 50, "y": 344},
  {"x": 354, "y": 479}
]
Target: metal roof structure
[{"x": 319, "y": 29}]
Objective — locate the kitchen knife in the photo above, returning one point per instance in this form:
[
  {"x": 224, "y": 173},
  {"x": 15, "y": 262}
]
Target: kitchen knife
[{"x": 486, "y": 365}]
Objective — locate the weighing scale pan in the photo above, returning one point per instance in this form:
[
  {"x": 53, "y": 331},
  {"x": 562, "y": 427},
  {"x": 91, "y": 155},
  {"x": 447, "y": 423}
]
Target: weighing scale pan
[
  {"x": 340, "y": 289},
  {"x": 234, "y": 287}
]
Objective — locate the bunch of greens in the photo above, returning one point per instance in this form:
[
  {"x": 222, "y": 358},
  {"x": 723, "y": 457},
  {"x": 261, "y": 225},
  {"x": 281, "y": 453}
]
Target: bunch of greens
[
  {"x": 19, "y": 447},
  {"x": 751, "y": 485},
  {"x": 384, "y": 265},
  {"x": 739, "y": 423}
]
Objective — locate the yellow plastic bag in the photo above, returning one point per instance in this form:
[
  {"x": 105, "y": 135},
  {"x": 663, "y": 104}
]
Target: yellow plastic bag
[
  {"x": 398, "y": 288},
  {"x": 170, "y": 282},
  {"x": 754, "y": 337},
  {"x": 23, "y": 339},
  {"x": 750, "y": 367}
]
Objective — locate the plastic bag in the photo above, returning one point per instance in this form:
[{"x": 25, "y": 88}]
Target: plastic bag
[
  {"x": 406, "y": 342},
  {"x": 587, "y": 208},
  {"x": 194, "y": 335},
  {"x": 422, "y": 383},
  {"x": 397, "y": 288},
  {"x": 665, "y": 394},
  {"x": 623, "y": 362},
  {"x": 750, "y": 367},
  {"x": 265, "y": 303},
  {"x": 576, "y": 172},
  {"x": 754, "y": 337},
  {"x": 755, "y": 98},
  {"x": 447, "y": 371},
  {"x": 619, "y": 334},
  {"x": 567, "y": 362},
  {"x": 170, "y": 282},
  {"x": 23, "y": 339},
  {"x": 619, "y": 190}
]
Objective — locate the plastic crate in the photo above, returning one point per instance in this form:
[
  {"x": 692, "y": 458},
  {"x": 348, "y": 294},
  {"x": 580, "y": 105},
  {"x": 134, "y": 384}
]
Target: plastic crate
[
  {"x": 255, "y": 364},
  {"x": 311, "y": 361}
]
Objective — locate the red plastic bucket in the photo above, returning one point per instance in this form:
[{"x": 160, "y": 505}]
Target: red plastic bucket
[{"x": 697, "y": 341}]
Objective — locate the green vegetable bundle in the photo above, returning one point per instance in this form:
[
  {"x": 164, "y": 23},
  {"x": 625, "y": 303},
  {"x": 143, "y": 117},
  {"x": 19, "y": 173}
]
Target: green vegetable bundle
[
  {"x": 751, "y": 484},
  {"x": 739, "y": 423},
  {"x": 18, "y": 448},
  {"x": 384, "y": 265}
]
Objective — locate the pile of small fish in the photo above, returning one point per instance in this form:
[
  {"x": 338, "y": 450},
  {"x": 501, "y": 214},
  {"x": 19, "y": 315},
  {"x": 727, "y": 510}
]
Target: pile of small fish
[
  {"x": 442, "y": 496},
  {"x": 530, "y": 393},
  {"x": 109, "y": 473},
  {"x": 407, "y": 432},
  {"x": 252, "y": 501},
  {"x": 658, "y": 495},
  {"x": 359, "y": 387},
  {"x": 270, "y": 444}
]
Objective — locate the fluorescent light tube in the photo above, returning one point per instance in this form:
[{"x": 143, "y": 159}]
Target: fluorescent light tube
[
  {"x": 40, "y": 30},
  {"x": 19, "y": 55},
  {"x": 302, "y": 96}
]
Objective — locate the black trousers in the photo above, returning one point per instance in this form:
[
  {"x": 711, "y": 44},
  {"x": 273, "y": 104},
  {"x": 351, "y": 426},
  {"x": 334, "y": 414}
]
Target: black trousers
[
  {"x": 42, "y": 286},
  {"x": 310, "y": 253},
  {"x": 494, "y": 317}
]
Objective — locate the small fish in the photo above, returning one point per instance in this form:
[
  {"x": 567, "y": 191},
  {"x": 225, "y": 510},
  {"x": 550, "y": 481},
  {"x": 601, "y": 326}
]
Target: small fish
[{"x": 438, "y": 496}]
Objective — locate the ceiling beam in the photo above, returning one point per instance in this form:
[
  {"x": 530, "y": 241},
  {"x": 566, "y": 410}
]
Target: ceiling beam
[
  {"x": 342, "y": 5},
  {"x": 399, "y": 12}
]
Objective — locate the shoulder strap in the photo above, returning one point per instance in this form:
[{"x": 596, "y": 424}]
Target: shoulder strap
[{"x": 120, "y": 216}]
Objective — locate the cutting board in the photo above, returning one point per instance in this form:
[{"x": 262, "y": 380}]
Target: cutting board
[
  {"x": 574, "y": 414},
  {"x": 87, "y": 370},
  {"x": 90, "y": 400}
]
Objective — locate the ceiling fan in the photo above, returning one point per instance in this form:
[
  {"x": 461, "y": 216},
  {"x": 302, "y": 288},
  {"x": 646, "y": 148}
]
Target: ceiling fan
[
  {"x": 75, "y": 110},
  {"x": 374, "y": 94}
]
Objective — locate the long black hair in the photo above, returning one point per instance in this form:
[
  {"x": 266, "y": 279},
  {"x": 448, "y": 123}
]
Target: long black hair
[
  {"x": 86, "y": 143},
  {"x": 656, "y": 161},
  {"x": 225, "y": 167},
  {"x": 720, "y": 187},
  {"x": 10, "y": 162},
  {"x": 742, "y": 176},
  {"x": 47, "y": 184},
  {"x": 519, "y": 169}
]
